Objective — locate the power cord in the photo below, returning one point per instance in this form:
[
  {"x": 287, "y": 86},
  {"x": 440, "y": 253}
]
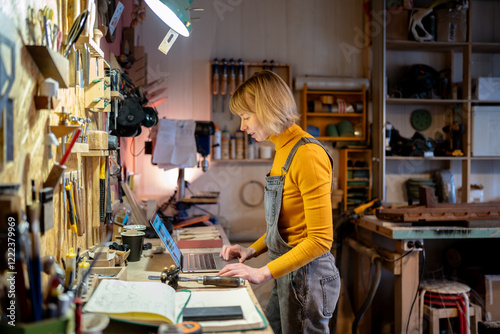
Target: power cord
[{"x": 398, "y": 259}]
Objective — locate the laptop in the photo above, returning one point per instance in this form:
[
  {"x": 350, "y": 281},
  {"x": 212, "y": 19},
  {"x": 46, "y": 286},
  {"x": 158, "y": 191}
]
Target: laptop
[{"x": 188, "y": 262}]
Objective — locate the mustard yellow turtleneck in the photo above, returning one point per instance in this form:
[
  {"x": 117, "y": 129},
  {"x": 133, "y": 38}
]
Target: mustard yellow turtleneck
[{"x": 305, "y": 220}]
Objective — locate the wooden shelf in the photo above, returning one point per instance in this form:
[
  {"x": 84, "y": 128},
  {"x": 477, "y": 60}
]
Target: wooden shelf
[
  {"x": 50, "y": 63},
  {"x": 95, "y": 51},
  {"x": 117, "y": 95},
  {"x": 334, "y": 114},
  {"x": 485, "y": 47},
  {"x": 362, "y": 191},
  {"x": 255, "y": 161},
  {"x": 394, "y": 100},
  {"x": 96, "y": 153},
  {"x": 467, "y": 60},
  {"x": 63, "y": 130},
  {"x": 396, "y": 157},
  {"x": 319, "y": 100},
  {"x": 405, "y": 45}
]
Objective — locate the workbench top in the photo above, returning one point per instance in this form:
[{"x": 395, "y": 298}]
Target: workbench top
[{"x": 432, "y": 230}]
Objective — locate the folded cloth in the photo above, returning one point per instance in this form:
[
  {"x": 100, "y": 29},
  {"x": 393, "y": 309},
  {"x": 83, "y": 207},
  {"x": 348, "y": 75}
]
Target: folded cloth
[{"x": 175, "y": 144}]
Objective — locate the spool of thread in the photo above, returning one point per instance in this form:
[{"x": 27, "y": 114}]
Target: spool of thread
[
  {"x": 225, "y": 145},
  {"x": 240, "y": 145},
  {"x": 216, "y": 148},
  {"x": 265, "y": 152},
  {"x": 256, "y": 150}
]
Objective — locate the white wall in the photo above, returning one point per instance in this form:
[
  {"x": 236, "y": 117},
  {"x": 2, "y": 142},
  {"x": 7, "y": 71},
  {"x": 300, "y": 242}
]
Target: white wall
[{"x": 312, "y": 36}]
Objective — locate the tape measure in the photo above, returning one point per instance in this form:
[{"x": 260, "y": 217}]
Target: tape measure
[{"x": 190, "y": 327}]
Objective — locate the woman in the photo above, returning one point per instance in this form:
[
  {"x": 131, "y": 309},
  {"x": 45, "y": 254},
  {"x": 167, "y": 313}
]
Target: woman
[{"x": 297, "y": 208}]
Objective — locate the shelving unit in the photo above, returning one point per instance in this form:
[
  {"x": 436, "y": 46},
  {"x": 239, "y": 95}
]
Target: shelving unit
[
  {"x": 316, "y": 112},
  {"x": 355, "y": 176},
  {"x": 475, "y": 57}
]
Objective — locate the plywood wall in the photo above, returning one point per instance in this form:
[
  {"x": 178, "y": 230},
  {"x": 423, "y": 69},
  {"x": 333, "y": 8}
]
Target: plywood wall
[{"x": 31, "y": 126}]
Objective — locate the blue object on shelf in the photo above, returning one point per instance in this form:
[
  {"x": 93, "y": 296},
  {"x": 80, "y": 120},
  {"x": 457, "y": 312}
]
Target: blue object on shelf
[{"x": 313, "y": 130}]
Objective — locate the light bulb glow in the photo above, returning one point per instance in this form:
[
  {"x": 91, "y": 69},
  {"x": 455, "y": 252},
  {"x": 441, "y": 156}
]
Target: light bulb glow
[{"x": 169, "y": 17}]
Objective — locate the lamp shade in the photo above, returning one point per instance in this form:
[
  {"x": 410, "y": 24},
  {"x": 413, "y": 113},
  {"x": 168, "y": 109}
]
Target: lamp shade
[{"x": 174, "y": 13}]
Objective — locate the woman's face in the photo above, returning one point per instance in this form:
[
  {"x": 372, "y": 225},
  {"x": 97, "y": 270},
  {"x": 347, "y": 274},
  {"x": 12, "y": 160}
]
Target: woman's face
[{"x": 252, "y": 126}]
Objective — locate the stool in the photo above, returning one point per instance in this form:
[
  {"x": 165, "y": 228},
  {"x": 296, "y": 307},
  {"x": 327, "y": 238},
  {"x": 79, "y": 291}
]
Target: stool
[
  {"x": 489, "y": 327},
  {"x": 447, "y": 299}
]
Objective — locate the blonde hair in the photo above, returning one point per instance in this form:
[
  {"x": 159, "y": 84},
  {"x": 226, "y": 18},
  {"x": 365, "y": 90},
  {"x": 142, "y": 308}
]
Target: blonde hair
[{"x": 269, "y": 97}]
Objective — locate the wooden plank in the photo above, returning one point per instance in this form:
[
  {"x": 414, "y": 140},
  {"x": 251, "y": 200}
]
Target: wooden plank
[{"x": 136, "y": 211}]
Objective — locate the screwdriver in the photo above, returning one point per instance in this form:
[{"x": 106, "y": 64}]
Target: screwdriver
[{"x": 210, "y": 280}]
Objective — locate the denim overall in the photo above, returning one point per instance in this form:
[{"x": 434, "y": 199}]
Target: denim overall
[{"x": 302, "y": 301}]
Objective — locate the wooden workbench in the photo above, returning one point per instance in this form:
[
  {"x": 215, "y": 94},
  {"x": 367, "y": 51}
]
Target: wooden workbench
[
  {"x": 153, "y": 264},
  {"x": 369, "y": 230}
]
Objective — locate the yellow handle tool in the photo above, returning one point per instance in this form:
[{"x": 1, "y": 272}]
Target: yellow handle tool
[{"x": 73, "y": 219}]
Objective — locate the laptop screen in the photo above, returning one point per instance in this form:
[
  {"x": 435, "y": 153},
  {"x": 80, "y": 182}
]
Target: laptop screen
[{"x": 167, "y": 239}]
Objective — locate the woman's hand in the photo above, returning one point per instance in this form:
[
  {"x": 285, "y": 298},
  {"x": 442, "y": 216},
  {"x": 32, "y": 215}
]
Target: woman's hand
[
  {"x": 253, "y": 275},
  {"x": 243, "y": 253}
]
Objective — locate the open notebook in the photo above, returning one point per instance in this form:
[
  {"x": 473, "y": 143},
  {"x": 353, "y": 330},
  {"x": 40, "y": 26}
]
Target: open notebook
[{"x": 154, "y": 303}]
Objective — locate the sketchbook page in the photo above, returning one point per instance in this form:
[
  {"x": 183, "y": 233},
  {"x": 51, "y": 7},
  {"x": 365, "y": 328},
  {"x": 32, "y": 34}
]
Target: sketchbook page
[
  {"x": 141, "y": 301},
  {"x": 231, "y": 297}
]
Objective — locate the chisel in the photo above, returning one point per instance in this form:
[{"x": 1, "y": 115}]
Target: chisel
[
  {"x": 215, "y": 83},
  {"x": 102, "y": 190},
  {"x": 232, "y": 80},
  {"x": 223, "y": 84},
  {"x": 78, "y": 208},
  {"x": 240, "y": 73}
]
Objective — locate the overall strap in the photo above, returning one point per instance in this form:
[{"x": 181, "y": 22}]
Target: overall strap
[{"x": 300, "y": 142}]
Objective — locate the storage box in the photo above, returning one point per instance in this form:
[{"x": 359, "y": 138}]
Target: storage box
[
  {"x": 397, "y": 24},
  {"x": 451, "y": 25},
  {"x": 492, "y": 297},
  {"x": 485, "y": 134},
  {"x": 48, "y": 326},
  {"x": 486, "y": 89}
]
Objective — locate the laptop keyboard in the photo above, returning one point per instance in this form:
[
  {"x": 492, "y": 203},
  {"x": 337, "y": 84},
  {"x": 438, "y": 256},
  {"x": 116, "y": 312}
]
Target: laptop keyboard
[{"x": 200, "y": 261}]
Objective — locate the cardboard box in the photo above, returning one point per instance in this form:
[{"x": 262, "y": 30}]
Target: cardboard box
[
  {"x": 492, "y": 297},
  {"x": 486, "y": 89}
]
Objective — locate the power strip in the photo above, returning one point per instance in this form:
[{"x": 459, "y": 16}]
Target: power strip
[{"x": 416, "y": 245}]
